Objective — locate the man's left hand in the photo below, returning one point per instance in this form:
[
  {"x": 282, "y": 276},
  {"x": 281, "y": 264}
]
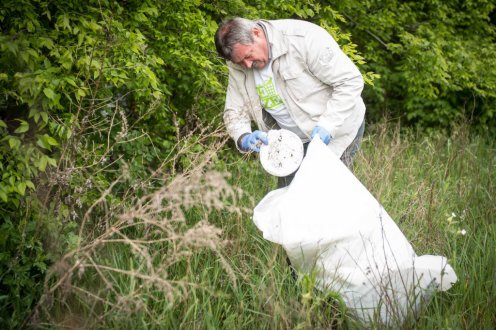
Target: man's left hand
[{"x": 324, "y": 135}]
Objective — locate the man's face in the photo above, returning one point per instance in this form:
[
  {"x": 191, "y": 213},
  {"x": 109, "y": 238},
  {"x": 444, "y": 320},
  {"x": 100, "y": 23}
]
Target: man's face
[{"x": 255, "y": 55}]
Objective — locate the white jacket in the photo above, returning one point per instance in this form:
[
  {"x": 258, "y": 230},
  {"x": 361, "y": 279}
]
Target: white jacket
[{"x": 319, "y": 84}]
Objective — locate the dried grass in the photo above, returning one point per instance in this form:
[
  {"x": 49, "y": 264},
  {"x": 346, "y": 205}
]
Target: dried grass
[{"x": 156, "y": 232}]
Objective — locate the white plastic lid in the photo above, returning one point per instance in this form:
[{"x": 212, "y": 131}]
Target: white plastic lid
[{"x": 284, "y": 153}]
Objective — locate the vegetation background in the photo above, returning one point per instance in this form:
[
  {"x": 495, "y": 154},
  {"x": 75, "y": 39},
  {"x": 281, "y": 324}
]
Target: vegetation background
[{"x": 124, "y": 205}]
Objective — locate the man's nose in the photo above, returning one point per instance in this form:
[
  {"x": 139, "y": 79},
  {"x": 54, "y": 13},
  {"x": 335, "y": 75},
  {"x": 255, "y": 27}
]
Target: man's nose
[{"x": 247, "y": 63}]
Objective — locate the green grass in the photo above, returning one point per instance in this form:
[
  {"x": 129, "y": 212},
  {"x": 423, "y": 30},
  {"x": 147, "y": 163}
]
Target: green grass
[{"x": 433, "y": 185}]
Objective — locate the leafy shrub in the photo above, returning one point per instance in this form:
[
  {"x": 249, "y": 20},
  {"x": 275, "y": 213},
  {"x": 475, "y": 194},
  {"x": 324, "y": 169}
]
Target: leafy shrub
[
  {"x": 434, "y": 57},
  {"x": 97, "y": 94}
]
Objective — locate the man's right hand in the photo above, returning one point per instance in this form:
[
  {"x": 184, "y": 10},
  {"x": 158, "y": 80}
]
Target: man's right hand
[{"x": 252, "y": 141}]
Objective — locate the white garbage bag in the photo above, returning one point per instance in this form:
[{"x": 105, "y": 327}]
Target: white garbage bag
[{"x": 330, "y": 225}]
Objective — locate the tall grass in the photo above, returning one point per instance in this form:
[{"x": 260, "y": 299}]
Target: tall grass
[
  {"x": 441, "y": 191},
  {"x": 439, "y": 188}
]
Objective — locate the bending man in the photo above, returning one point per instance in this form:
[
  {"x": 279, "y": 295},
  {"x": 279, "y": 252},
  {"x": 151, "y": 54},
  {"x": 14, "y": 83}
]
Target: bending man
[{"x": 290, "y": 74}]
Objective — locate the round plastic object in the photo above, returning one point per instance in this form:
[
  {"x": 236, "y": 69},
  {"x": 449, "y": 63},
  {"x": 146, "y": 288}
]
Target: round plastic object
[{"x": 284, "y": 153}]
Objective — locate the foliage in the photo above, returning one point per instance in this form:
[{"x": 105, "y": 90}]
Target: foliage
[
  {"x": 435, "y": 59},
  {"x": 141, "y": 253},
  {"x": 99, "y": 97},
  {"x": 22, "y": 266},
  {"x": 439, "y": 189},
  {"x": 97, "y": 91},
  {"x": 89, "y": 94}
]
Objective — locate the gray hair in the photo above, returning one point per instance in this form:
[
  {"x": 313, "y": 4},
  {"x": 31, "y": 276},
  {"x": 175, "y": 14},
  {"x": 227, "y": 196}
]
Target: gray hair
[{"x": 234, "y": 31}]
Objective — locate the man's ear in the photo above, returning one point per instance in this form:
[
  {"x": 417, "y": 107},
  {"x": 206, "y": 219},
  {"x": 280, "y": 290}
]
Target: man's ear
[{"x": 256, "y": 31}]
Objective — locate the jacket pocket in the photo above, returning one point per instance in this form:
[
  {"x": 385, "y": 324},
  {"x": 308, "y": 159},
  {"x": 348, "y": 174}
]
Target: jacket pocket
[{"x": 301, "y": 85}]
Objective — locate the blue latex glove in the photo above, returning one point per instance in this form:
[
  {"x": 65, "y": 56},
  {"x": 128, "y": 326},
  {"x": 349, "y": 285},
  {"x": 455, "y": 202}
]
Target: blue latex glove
[
  {"x": 252, "y": 141},
  {"x": 324, "y": 135}
]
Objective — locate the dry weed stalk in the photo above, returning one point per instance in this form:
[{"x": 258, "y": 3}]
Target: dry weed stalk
[{"x": 155, "y": 233}]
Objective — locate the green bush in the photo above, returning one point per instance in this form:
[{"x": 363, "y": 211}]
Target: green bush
[
  {"x": 435, "y": 59},
  {"x": 99, "y": 96},
  {"x": 23, "y": 262}
]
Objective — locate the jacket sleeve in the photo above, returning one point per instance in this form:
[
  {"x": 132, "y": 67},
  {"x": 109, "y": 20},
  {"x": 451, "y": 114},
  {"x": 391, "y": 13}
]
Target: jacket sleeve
[
  {"x": 327, "y": 62},
  {"x": 236, "y": 115}
]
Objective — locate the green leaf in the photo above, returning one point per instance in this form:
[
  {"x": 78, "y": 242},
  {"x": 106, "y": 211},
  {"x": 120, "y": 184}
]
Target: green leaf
[
  {"x": 14, "y": 142},
  {"x": 49, "y": 93},
  {"x": 42, "y": 163},
  {"x": 21, "y": 188},
  {"x": 47, "y": 42},
  {"x": 71, "y": 81},
  {"x": 43, "y": 143},
  {"x": 66, "y": 60},
  {"x": 46, "y": 141},
  {"x": 68, "y": 133},
  {"x": 23, "y": 128},
  {"x": 51, "y": 141},
  {"x": 40, "y": 265},
  {"x": 3, "y": 196},
  {"x": 51, "y": 161},
  {"x": 81, "y": 93},
  {"x": 94, "y": 26},
  {"x": 30, "y": 26},
  {"x": 64, "y": 22},
  {"x": 44, "y": 116}
]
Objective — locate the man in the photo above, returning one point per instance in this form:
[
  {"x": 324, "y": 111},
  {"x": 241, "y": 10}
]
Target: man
[{"x": 290, "y": 74}]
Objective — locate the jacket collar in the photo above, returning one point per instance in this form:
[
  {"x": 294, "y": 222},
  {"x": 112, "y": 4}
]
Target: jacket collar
[{"x": 277, "y": 40}]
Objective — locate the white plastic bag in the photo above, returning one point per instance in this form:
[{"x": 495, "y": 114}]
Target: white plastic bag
[{"x": 329, "y": 224}]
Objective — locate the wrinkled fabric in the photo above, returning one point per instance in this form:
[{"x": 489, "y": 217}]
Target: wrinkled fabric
[
  {"x": 331, "y": 226},
  {"x": 319, "y": 84}
]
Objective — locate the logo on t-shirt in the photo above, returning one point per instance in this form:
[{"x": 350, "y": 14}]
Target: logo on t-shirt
[{"x": 268, "y": 95}]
